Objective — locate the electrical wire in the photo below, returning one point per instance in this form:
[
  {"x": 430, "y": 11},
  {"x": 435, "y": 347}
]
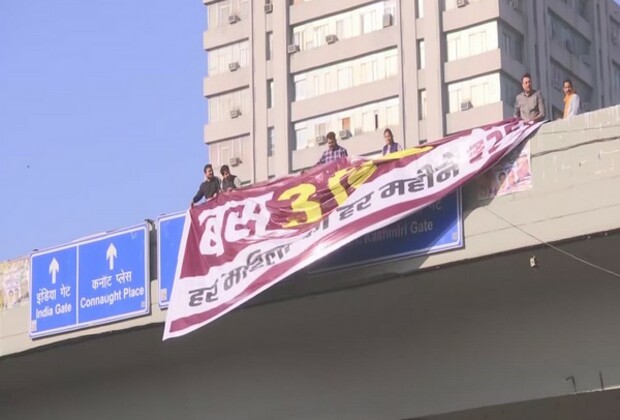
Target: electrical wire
[{"x": 573, "y": 256}]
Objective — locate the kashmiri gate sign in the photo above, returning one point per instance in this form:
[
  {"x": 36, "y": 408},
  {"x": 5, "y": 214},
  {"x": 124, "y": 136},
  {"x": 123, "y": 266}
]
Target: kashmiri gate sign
[{"x": 243, "y": 242}]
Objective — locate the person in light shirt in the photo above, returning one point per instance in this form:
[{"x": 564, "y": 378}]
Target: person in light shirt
[
  {"x": 529, "y": 104},
  {"x": 571, "y": 100}
]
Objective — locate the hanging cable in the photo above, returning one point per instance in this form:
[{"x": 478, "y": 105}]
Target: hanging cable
[{"x": 598, "y": 267}]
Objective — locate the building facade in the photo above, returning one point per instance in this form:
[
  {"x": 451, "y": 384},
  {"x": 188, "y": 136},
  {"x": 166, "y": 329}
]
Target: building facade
[{"x": 283, "y": 73}]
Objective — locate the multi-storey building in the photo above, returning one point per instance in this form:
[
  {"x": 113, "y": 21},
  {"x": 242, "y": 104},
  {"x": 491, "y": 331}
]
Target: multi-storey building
[{"x": 283, "y": 73}]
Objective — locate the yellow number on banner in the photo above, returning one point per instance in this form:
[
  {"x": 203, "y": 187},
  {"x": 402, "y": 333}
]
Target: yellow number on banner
[
  {"x": 355, "y": 178},
  {"x": 302, "y": 204}
]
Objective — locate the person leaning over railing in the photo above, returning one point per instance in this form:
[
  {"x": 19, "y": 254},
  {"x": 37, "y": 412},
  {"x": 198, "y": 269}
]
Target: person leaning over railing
[
  {"x": 333, "y": 151},
  {"x": 209, "y": 188}
]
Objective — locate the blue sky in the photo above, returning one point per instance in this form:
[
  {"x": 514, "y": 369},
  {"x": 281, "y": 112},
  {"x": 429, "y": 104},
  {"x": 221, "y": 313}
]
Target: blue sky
[{"x": 101, "y": 116}]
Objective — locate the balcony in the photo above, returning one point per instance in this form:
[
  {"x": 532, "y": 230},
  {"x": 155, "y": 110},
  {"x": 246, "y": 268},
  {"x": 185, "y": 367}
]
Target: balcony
[{"x": 344, "y": 49}]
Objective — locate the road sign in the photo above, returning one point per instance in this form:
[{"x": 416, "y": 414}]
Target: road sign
[
  {"x": 90, "y": 282},
  {"x": 436, "y": 228},
  {"x": 53, "y": 280},
  {"x": 169, "y": 234}
]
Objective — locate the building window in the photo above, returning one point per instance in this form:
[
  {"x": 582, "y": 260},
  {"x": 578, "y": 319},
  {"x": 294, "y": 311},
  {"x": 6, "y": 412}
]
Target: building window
[
  {"x": 299, "y": 82},
  {"x": 228, "y": 105},
  {"x": 223, "y": 151},
  {"x": 421, "y": 55},
  {"x": 511, "y": 43},
  {"x": 352, "y": 23},
  {"x": 219, "y": 59},
  {"x": 474, "y": 92},
  {"x": 391, "y": 63},
  {"x": 472, "y": 41},
  {"x": 301, "y": 138},
  {"x": 369, "y": 71},
  {"x": 567, "y": 37},
  {"x": 422, "y": 107},
  {"x": 391, "y": 115},
  {"x": 345, "y": 78},
  {"x": 269, "y": 45},
  {"x": 369, "y": 21},
  {"x": 270, "y": 94},
  {"x": 345, "y": 123},
  {"x": 364, "y": 119},
  {"x": 219, "y": 12},
  {"x": 270, "y": 141},
  {"x": 353, "y": 73},
  {"x": 419, "y": 9}
]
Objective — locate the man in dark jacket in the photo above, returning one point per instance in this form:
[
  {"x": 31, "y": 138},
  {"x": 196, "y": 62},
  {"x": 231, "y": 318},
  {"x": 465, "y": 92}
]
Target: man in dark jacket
[
  {"x": 229, "y": 181},
  {"x": 209, "y": 188}
]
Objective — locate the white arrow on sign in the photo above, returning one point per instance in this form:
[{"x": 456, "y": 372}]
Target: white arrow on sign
[
  {"x": 54, "y": 269},
  {"x": 110, "y": 255}
]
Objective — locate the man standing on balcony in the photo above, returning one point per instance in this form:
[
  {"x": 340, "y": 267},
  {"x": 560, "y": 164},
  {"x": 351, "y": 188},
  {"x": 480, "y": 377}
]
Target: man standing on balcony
[
  {"x": 529, "y": 104},
  {"x": 571, "y": 99},
  {"x": 333, "y": 152}
]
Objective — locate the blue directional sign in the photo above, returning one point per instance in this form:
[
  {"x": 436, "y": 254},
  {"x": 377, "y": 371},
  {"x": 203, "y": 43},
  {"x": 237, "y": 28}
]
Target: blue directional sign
[
  {"x": 169, "y": 234},
  {"x": 53, "y": 291},
  {"x": 436, "y": 228},
  {"x": 90, "y": 282}
]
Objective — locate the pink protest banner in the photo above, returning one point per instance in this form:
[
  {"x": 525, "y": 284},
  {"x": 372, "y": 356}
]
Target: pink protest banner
[{"x": 245, "y": 241}]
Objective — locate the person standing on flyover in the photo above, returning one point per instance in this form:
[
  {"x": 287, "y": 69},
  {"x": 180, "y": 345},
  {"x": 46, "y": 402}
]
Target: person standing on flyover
[
  {"x": 333, "y": 152},
  {"x": 390, "y": 145},
  {"x": 209, "y": 188},
  {"x": 571, "y": 99},
  {"x": 529, "y": 104},
  {"x": 229, "y": 181}
]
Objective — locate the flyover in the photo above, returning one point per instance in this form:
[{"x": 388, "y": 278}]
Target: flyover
[{"x": 482, "y": 326}]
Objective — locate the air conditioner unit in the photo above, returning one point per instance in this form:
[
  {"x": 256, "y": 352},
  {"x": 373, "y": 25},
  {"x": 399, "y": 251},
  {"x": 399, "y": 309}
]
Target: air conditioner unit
[
  {"x": 234, "y": 161},
  {"x": 233, "y": 66},
  {"x": 344, "y": 134},
  {"x": 585, "y": 59},
  {"x": 465, "y": 105},
  {"x": 268, "y": 6},
  {"x": 330, "y": 39},
  {"x": 614, "y": 39},
  {"x": 461, "y": 3},
  {"x": 235, "y": 113},
  {"x": 320, "y": 140},
  {"x": 292, "y": 48},
  {"x": 514, "y": 4},
  {"x": 388, "y": 20},
  {"x": 232, "y": 19}
]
